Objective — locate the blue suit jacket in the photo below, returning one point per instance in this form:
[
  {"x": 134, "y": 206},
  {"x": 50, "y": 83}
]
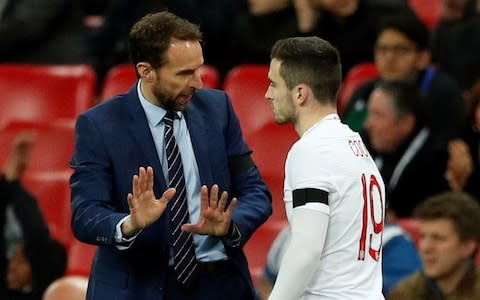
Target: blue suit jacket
[{"x": 112, "y": 141}]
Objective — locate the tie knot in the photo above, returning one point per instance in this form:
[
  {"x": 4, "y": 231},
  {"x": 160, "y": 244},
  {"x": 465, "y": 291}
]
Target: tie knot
[{"x": 169, "y": 117}]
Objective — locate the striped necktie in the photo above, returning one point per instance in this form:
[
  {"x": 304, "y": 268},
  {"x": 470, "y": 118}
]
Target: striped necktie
[{"x": 185, "y": 263}]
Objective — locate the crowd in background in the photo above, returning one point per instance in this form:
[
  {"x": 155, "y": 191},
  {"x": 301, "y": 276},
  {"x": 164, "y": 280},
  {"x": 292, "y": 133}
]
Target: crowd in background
[{"x": 235, "y": 32}]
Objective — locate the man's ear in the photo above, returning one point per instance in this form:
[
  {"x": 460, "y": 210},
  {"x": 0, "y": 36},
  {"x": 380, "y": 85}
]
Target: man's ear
[
  {"x": 301, "y": 93},
  {"x": 145, "y": 71},
  {"x": 469, "y": 248}
]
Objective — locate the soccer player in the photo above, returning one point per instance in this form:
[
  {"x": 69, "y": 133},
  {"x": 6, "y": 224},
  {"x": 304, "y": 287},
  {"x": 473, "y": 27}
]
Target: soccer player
[{"x": 334, "y": 194}]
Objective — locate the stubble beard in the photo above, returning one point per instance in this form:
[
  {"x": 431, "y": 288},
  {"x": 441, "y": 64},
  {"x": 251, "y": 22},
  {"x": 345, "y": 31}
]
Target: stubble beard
[{"x": 168, "y": 102}]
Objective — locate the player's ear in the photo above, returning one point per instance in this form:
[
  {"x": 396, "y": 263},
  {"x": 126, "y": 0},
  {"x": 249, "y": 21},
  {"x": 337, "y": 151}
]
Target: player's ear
[{"x": 301, "y": 93}]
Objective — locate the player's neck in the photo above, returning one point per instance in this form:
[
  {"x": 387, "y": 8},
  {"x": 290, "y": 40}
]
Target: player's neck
[{"x": 309, "y": 116}]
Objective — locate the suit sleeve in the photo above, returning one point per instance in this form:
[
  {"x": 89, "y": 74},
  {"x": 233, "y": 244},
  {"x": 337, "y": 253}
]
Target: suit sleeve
[
  {"x": 254, "y": 199},
  {"x": 94, "y": 216}
]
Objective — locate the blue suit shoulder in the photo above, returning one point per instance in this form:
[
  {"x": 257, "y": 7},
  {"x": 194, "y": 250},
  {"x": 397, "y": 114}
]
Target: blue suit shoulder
[{"x": 209, "y": 98}]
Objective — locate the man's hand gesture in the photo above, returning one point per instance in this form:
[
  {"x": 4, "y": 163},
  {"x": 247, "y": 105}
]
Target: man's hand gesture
[
  {"x": 144, "y": 207},
  {"x": 215, "y": 215}
]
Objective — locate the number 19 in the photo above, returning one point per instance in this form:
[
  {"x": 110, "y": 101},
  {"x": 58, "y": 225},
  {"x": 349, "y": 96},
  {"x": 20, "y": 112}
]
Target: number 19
[{"x": 370, "y": 189}]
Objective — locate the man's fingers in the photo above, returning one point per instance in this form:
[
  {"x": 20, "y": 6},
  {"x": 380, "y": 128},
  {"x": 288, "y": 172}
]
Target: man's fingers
[
  {"x": 168, "y": 194},
  {"x": 231, "y": 207},
  {"x": 142, "y": 174},
  {"x": 136, "y": 186},
  {"x": 223, "y": 201},
  {"x": 214, "y": 196},
  {"x": 203, "y": 198},
  {"x": 149, "y": 184},
  {"x": 131, "y": 204},
  {"x": 193, "y": 228}
]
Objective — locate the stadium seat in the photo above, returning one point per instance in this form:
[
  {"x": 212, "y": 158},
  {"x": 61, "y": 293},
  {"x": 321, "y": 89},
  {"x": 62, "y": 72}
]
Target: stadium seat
[
  {"x": 210, "y": 76},
  {"x": 270, "y": 145},
  {"x": 45, "y": 92},
  {"x": 428, "y": 11},
  {"x": 48, "y": 172},
  {"x": 246, "y": 85},
  {"x": 120, "y": 79},
  {"x": 80, "y": 257},
  {"x": 411, "y": 226},
  {"x": 354, "y": 78},
  {"x": 52, "y": 192},
  {"x": 51, "y": 150},
  {"x": 256, "y": 249}
]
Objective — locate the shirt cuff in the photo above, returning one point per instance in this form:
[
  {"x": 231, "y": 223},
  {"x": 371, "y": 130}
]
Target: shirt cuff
[
  {"x": 233, "y": 237},
  {"x": 122, "y": 242}
]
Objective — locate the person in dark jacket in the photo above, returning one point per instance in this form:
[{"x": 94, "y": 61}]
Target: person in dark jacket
[
  {"x": 401, "y": 53},
  {"x": 29, "y": 259},
  {"x": 411, "y": 163},
  {"x": 42, "y": 32}
]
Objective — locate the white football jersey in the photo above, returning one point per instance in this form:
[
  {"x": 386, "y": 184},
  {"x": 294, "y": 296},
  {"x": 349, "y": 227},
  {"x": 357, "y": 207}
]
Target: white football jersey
[{"x": 331, "y": 157}]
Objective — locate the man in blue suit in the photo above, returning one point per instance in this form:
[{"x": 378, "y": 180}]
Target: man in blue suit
[{"x": 121, "y": 142}]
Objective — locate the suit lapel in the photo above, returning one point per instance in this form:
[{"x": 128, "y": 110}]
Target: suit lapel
[
  {"x": 140, "y": 132},
  {"x": 198, "y": 134}
]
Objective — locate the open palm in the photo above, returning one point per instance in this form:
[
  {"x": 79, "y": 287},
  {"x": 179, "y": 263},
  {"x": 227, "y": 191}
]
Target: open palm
[
  {"x": 144, "y": 207},
  {"x": 215, "y": 216}
]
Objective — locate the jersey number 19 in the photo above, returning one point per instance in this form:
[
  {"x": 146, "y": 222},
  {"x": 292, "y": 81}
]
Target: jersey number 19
[{"x": 372, "y": 204}]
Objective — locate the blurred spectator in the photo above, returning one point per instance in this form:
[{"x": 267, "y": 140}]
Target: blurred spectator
[
  {"x": 94, "y": 13},
  {"x": 29, "y": 259},
  {"x": 217, "y": 20},
  {"x": 260, "y": 23},
  {"x": 463, "y": 172},
  {"x": 449, "y": 237},
  {"x": 456, "y": 42},
  {"x": 400, "y": 259},
  {"x": 351, "y": 25},
  {"x": 411, "y": 164},
  {"x": 68, "y": 287},
  {"x": 401, "y": 53},
  {"x": 107, "y": 42},
  {"x": 42, "y": 31},
  {"x": 400, "y": 256},
  {"x": 452, "y": 10},
  {"x": 234, "y": 32}
]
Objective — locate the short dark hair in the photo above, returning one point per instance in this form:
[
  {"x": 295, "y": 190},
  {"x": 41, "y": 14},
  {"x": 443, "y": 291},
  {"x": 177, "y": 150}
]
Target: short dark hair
[
  {"x": 312, "y": 61},
  {"x": 151, "y": 36},
  {"x": 459, "y": 207},
  {"x": 406, "y": 97},
  {"x": 410, "y": 25}
]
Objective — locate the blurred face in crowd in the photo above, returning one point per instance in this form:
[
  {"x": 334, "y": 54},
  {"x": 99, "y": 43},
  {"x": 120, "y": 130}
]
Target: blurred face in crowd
[
  {"x": 386, "y": 130},
  {"x": 397, "y": 57},
  {"x": 281, "y": 97},
  {"x": 171, "y": 85},
  {"x": 19, "y": 274},
  {"x": 340, "y": 8},
  {"x": 262, "y": 7},
  {"x": 443, "y": 254},
  {"x": 452, "y": 9}
]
